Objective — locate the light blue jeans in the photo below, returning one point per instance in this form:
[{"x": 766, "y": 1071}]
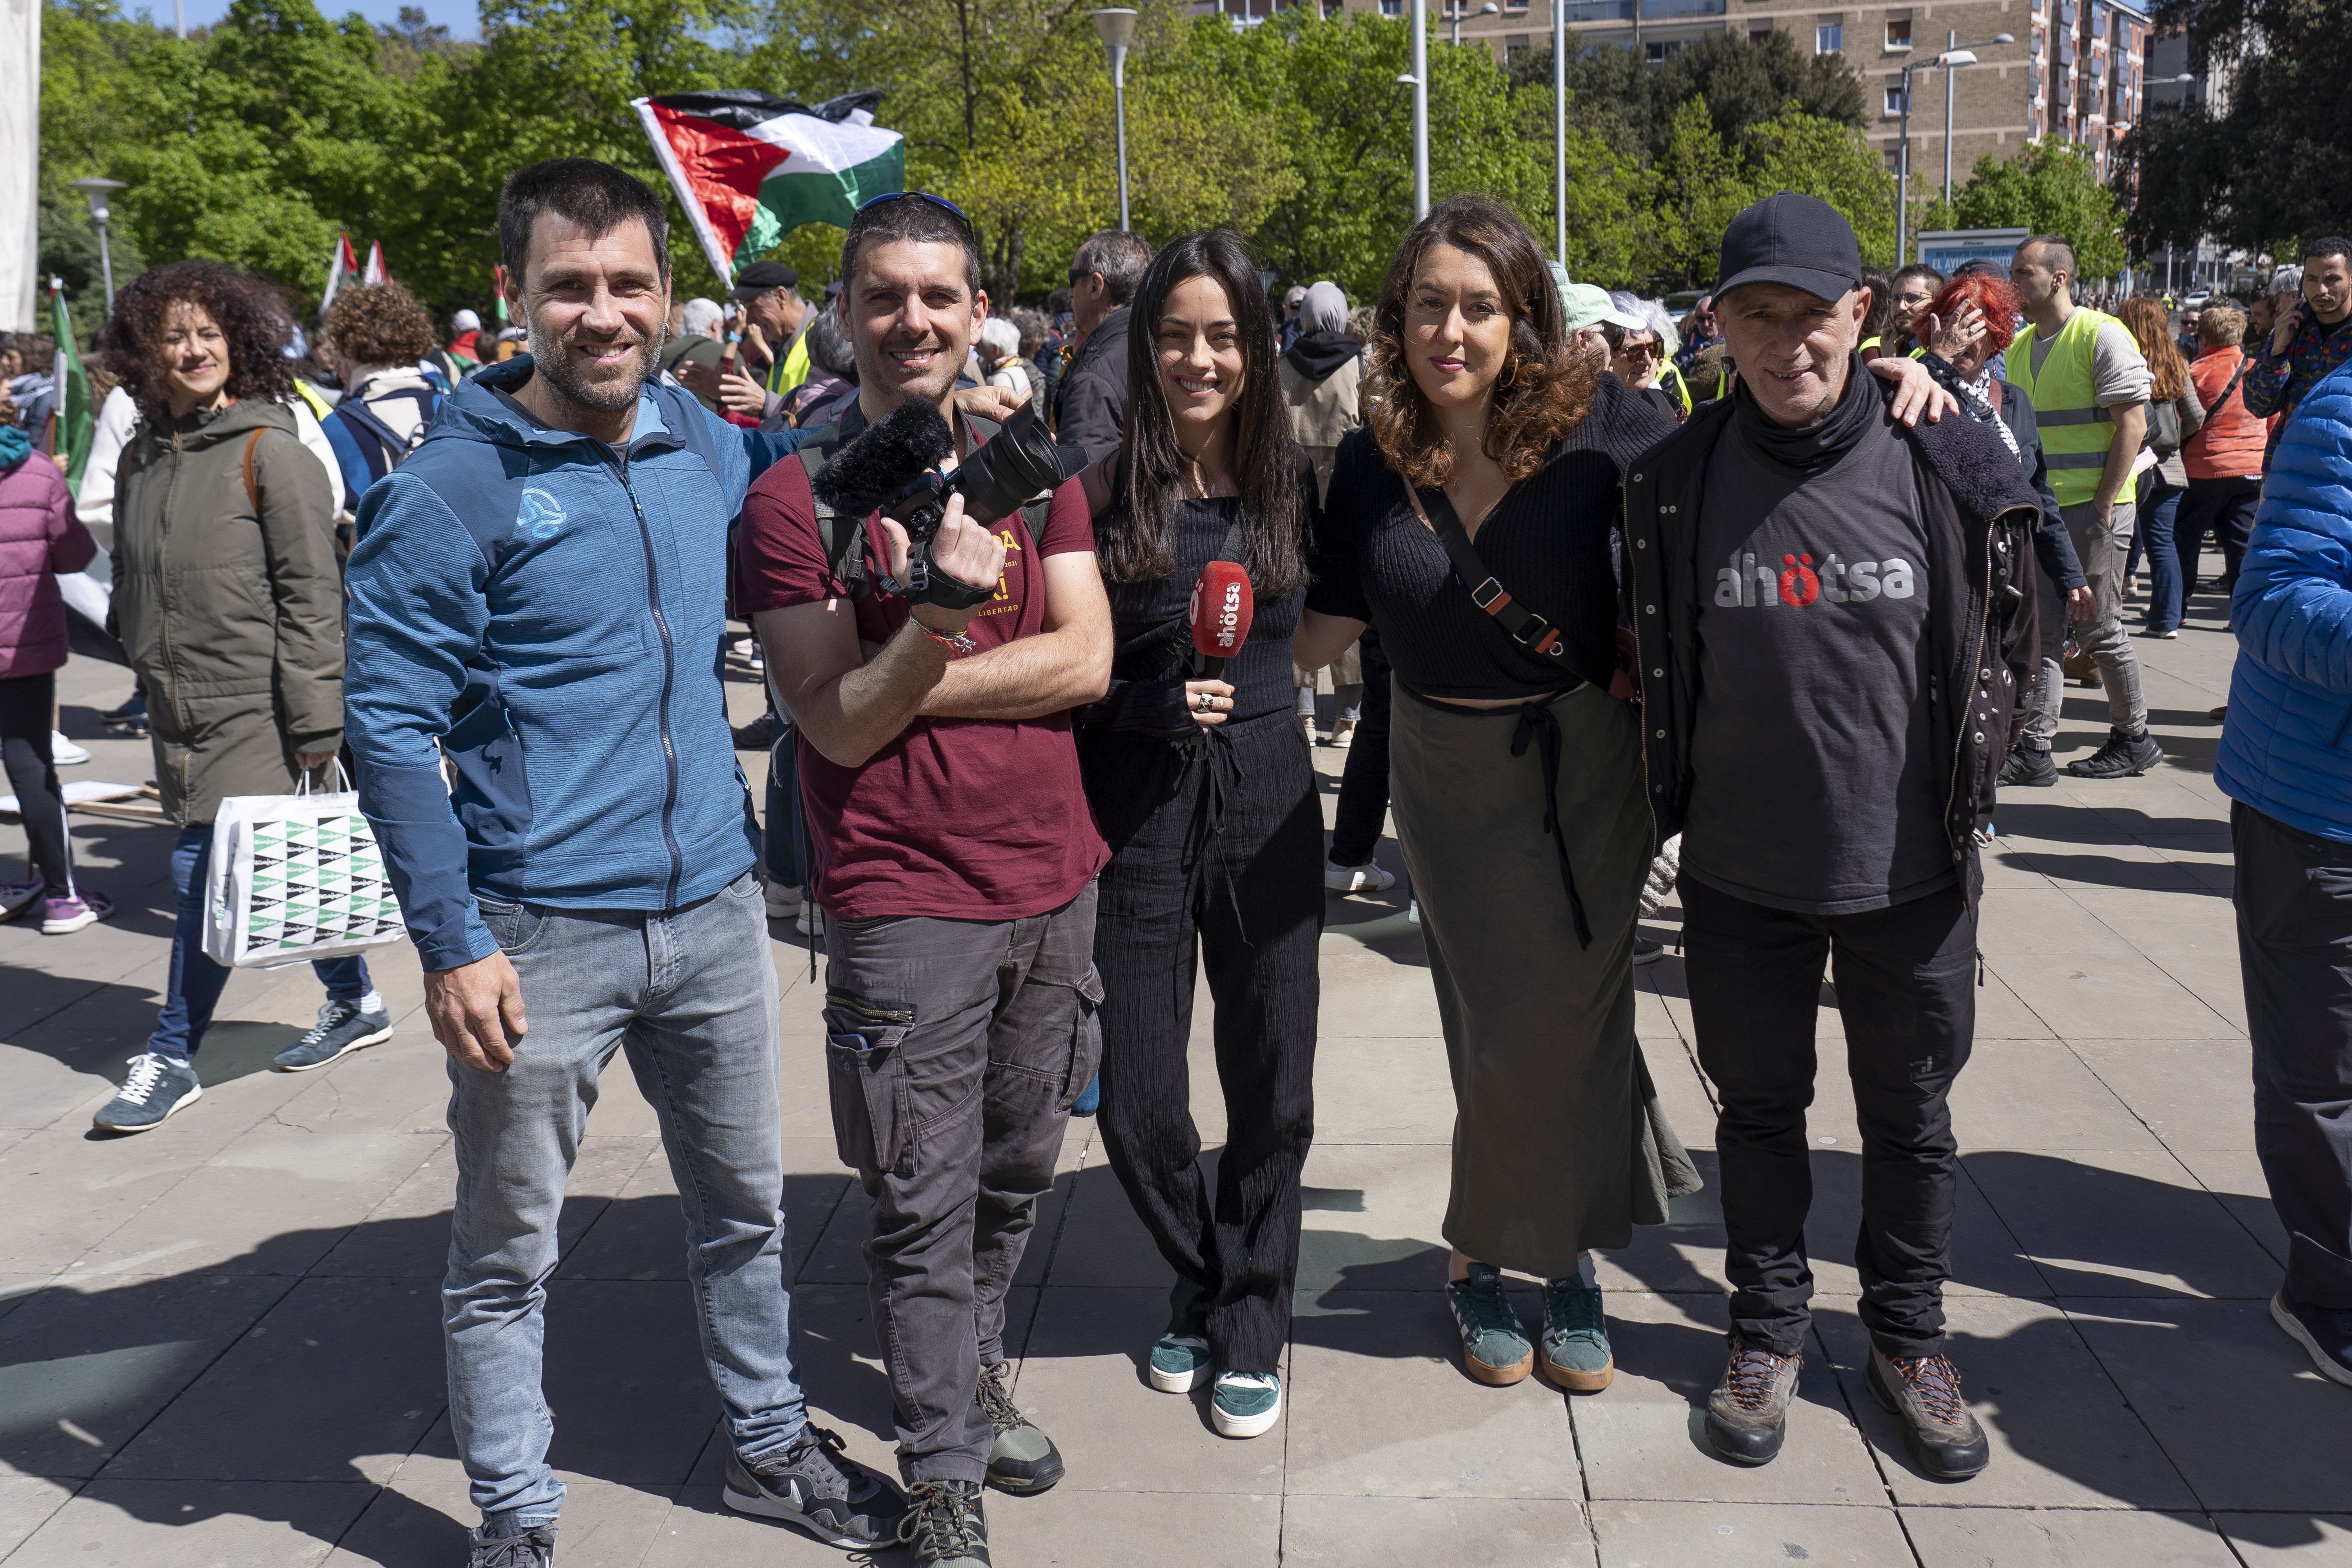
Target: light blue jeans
[{"x": 691, "y": 994}]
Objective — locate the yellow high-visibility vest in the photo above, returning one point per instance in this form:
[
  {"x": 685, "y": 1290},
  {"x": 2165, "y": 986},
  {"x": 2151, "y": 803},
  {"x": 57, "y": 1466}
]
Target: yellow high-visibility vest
[
  {"x": 1673, "y": 377},
  {"x": 790, "y": 368},
  {"x": 2075, "y": 431}
]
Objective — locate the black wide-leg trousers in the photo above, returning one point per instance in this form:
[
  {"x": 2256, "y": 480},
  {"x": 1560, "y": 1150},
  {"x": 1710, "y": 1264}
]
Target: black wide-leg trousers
[{"x": 1217, "y": 857}]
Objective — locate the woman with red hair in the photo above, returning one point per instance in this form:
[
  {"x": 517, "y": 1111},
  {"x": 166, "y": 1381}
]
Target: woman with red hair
[{"x": 1966, "y": 328}]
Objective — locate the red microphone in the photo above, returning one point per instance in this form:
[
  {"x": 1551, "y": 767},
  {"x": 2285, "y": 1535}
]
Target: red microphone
[{"x": 1221, "y": 608}]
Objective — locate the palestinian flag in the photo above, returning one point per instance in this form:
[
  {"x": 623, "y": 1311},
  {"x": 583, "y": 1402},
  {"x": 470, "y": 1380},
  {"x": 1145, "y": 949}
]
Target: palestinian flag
[
  {"x": 345, "y": 262},
  {"x": 749, "y": 169}
]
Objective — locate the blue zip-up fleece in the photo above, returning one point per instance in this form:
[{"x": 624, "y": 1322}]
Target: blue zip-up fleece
[
  {"x": 2286, "y": 745},
  {"x": 550, "y": 612}
]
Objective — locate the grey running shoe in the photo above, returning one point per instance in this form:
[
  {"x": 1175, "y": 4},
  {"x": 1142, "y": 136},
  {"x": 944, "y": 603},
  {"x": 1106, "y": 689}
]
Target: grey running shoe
[
  {"x": 341, "y": 1027},
  {"x": 1495, "y": 1348},
  {"x": 814, "y": 1485},
  {"x": 945, "y": 1526},
  {"x": 533, "y": 1548},
  {"x": 1024, "y": 1461},
  {"x": 158, "y": 1086},
  {"x": 1924, "y": 1394},
  {"x": 1748, "y": 1414},
  {"x": 1575, "y": 1338},
  {"x": 2123, "y": 757},
  {"x": 2323, "y": 1332}
]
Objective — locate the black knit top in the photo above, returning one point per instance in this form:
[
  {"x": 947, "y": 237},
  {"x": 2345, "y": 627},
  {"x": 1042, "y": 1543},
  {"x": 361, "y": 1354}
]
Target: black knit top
[{"x": 1550, "y": 541}]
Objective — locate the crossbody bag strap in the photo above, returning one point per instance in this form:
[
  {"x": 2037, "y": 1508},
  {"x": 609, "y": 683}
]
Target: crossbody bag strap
[
  {"x": 1538, "y": 636},
  {"x": 2245, "y": 363}
]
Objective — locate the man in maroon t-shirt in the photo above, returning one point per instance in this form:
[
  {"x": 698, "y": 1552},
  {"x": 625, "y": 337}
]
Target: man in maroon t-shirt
[{"x": 954, "y": 858}]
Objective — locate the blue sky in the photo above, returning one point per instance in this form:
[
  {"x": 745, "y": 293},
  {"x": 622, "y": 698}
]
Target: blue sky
[{"x": 460, "y": 17}]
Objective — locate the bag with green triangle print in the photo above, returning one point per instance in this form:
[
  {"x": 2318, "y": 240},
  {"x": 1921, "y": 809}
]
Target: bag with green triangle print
[{"x": 294, "y": 877}]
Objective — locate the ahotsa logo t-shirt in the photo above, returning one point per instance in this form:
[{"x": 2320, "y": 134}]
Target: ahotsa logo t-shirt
[{"x": 1814, "y": 781}]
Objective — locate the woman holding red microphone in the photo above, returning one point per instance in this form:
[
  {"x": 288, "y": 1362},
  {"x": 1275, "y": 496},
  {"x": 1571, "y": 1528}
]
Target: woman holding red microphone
[{"x": 1202, "y": 789}]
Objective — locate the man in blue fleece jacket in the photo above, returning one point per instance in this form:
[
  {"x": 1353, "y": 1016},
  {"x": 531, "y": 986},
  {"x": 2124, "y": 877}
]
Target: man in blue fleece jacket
[
  {"x": 2285, "y": 765},
  {"x": 538, "y": 597}
]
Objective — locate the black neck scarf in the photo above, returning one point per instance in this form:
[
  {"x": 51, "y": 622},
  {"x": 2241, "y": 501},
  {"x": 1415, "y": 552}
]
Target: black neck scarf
[{"x": 1810, "y": 449}]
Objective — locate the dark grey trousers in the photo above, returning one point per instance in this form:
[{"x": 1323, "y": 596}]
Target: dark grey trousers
[
  {"x": 954, "y": 1049},
  {"x": 2294, "y": 948}
]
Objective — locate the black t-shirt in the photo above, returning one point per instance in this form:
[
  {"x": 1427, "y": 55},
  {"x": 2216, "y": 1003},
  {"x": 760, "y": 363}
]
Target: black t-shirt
[
  {"x": 1813, "y": 774},
  {"x": 1549, "y": 540},
  {"x": 1150, "y": 624}
]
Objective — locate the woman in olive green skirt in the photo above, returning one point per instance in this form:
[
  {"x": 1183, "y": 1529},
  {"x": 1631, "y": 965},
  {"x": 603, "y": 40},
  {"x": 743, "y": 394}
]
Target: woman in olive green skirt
[{"x": 1516, "y": 775}]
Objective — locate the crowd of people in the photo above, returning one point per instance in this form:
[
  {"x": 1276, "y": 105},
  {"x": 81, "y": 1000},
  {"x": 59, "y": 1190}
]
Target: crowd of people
[{"x": 1765, "y": 605}]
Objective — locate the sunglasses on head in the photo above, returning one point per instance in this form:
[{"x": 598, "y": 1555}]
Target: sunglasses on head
[{"x": 941, "y": 202}]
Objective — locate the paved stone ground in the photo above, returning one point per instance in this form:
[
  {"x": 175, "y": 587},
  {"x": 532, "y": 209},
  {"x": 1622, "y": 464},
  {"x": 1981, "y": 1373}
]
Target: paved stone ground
[{"x": 218, "y": 1340}]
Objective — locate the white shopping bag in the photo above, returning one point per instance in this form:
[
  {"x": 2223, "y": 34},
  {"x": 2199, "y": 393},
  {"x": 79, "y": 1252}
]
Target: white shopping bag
[{"x": 294, "y": 877}]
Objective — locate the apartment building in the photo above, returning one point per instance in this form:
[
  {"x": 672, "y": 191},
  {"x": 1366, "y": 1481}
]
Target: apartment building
[{"x": 2074, "y": 69}]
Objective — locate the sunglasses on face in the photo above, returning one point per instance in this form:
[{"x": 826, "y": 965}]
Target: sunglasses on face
[
  {"x": 1913, "y": 299},
  {"x": 1644, "y": 351}
]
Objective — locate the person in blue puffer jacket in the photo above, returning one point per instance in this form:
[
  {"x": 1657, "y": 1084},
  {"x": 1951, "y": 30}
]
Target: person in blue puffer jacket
[{"x": 2287, "y": 762}]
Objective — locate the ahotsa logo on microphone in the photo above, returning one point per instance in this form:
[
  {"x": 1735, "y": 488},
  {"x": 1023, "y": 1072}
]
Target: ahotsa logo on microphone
[{"x": 1225, "y": 628}]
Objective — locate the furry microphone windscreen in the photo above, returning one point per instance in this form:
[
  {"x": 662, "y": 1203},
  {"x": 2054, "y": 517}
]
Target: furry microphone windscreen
[{"x": 877, "y": 466}]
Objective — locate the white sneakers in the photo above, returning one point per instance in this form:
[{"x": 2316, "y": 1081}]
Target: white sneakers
[
  {"x": 63, "y": 752},
  {"x": 1368, "y": 878}
]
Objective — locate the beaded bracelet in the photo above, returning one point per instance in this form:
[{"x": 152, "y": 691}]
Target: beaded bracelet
[{"x": 960, "y": 643}]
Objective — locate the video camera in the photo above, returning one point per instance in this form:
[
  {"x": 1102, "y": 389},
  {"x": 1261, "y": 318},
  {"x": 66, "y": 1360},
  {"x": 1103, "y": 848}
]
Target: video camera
[{"x": 894, "y": 466}]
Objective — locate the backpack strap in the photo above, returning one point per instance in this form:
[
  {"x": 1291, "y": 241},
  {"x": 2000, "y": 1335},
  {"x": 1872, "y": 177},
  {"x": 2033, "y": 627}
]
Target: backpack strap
[
  {"x": 252, "y": 491},
  {"x": 840, "y": 536},
  {"x": 360, "y": 419}
]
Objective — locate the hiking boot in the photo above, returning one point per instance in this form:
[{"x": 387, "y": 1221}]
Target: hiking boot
[
  {"x": 945, "y": 1526},
  {"x": 2323, "y": 1332},
  {"x": 1923, "y": 1393},
  {"x": 1024, "y": 1461},
  {"x": 60, "y": 917},
  {"x": 343, "y": 1027},
  {"x": 1245, "y": 1404},
  {"x": 1367, "y": 878},
  {"x": 2123, "y": 757},
  {"x": 1179, "y": 1364},
  {"x": 1495, "y": 1350},
  {"x": 1748, "y": 1414},
  {"x": 158, "y": 1086},
  {"x": 1575, "y": 1338},
  {"x": 2028, "y": 768},
  {"x": 814, "y": 1485},
  {"x": 532, "y": 1548}
]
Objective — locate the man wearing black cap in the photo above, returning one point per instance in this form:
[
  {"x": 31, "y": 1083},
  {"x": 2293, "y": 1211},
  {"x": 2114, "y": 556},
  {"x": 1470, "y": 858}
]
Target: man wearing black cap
[
  {"x": 775, "y": 331},
  {"x": 1833, "y": 611}
]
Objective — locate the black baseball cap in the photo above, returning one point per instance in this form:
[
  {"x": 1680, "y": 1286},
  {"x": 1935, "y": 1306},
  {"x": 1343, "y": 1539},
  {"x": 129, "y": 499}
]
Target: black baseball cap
[
  {"x": 761, "y": 276},
  {"x": 1801, "y": 241}
]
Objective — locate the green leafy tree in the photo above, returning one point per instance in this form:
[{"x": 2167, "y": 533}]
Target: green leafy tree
[
  {"x": 2274, "y": 168},
  {"x": 2050, "y": 187},
  {"x": 1700, "y": 189},
  {"x": 1799, "y": 151}
]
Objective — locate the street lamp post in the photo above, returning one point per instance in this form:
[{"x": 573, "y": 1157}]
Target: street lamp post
[
  {"x": 96, "y": 189},
  {"x": 1455, "y": 7},
  {"x": 1952, "y": 46},
  {"x": 1419, "y": 80},
  {"x": 1950, "y": 57},
  {"x": 1117, "y": 27},
  {"x": 1560, "y": 130}
]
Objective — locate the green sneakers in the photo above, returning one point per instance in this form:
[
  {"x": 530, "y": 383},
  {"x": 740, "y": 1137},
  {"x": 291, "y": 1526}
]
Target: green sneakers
[
  {"x": 1575, "y": 1338},
  {"x": 1245, "y": 1404},
  {"x": 1024, "y": 1461},
  {"x": 1495, "y": 1350},
  {"x": 1179, "y": 1364}
]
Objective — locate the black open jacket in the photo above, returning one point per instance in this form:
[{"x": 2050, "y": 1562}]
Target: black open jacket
[{"x": 1980, "y": 516}]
